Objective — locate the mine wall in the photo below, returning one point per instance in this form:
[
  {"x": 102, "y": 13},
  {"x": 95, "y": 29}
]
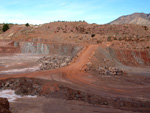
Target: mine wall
[
  {"x": 39, "y": 48},
  {"x": 114, "y": 61},
  {"x": 131, "y": 57},
  {"x": 52, "y": 49}
]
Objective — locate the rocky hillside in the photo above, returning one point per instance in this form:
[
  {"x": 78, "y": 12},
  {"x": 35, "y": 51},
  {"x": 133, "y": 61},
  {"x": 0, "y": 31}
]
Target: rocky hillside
[
  {"x": 135, "y": 18},
  {"x": 76, "y": 32}
]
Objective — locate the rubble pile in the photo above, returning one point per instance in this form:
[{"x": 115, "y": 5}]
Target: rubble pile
[
  {"x": 22, "y": 86},
  {"x": 54, "y": 62},
  {"x": 110, "y": 70},
  {"x": 105, "y": 70}
]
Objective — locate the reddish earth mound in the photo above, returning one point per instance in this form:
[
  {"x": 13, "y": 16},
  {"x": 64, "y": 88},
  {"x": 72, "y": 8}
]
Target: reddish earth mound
[
  {"x": 9, "y": 50},
  {"x": 8, "y": 46},
  {"x": 13, "y": 31},
  {"x": 77, "y": 32},
  {"x": 132, "y": 57},
  {"x": 4, "y": 106},
  {"x": 1, "y": 26}
]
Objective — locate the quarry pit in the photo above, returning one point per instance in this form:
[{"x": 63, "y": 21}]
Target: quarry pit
[{"x": 74, "y": 70}]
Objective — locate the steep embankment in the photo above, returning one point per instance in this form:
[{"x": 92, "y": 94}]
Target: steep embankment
[
  {"x": 111, "y": 60},
  {"x": 7, "y": 46},
  {"x": 39, "y": 48},
  {"x": 131, "y": 57},
  {"x": 50, "y": 48},
  {"x": 12, "y": 32}
]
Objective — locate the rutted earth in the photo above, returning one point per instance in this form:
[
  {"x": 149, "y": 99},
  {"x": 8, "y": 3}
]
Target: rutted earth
[
  {"x": 53, "y": 90},
  {"x": 77, "y": 78}
]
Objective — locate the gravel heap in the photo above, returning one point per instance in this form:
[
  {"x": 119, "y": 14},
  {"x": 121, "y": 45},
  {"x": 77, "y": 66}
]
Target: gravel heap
[
  {"x": 105, "y": 70},
  {"x": 53, "y": 62}
]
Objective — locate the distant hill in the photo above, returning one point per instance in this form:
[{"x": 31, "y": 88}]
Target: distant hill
[{"x": 135, "y": 18}]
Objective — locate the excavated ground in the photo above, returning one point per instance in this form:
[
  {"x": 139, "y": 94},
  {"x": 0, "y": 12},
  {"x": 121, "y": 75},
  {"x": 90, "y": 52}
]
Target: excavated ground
[{"x": 71, "y": 89}]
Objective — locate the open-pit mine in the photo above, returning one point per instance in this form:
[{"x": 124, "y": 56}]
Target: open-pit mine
[{"x": 75, "y": 67}]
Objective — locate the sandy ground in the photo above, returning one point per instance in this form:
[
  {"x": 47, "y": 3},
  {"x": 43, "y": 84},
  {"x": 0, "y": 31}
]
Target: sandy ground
[
  {"x": 18, "y": 63},
  {"x": 51, "y": 105}
]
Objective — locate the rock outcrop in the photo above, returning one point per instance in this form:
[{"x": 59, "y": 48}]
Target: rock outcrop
[{"x": 38, "y": 48}]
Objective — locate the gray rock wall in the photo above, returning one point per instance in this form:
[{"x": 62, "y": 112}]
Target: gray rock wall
[
  {"x": 37, "y": 48},
  {"x": 52, "y": 49}
]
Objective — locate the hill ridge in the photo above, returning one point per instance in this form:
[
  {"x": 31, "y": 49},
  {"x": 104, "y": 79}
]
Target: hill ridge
[{"x": 135, "y": 18}]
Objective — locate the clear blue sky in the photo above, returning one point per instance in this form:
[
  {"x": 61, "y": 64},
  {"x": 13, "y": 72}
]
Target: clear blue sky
[{"x": 45, "y": 11}]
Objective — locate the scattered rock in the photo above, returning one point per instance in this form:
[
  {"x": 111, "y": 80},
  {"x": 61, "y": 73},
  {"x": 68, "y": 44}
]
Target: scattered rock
[{"x": 105, "y": 70}]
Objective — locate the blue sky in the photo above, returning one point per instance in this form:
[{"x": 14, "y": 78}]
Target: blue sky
[{"x": 45, "y": 11}]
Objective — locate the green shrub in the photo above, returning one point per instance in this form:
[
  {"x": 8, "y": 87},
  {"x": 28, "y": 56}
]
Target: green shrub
[
  {"x": 27, "y": 24},
  {"x": 93, "y": 35},
  {"x": 5, "y": 27}
]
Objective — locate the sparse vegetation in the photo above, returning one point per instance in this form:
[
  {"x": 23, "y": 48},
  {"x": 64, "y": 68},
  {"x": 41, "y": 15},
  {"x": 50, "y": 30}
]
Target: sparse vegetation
[
  {"x": 99, "y": 41},
  {"x": 109, "y": 38},
  {"x": 114, "y": 38},
  {"x": 145, "y": 28}
]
